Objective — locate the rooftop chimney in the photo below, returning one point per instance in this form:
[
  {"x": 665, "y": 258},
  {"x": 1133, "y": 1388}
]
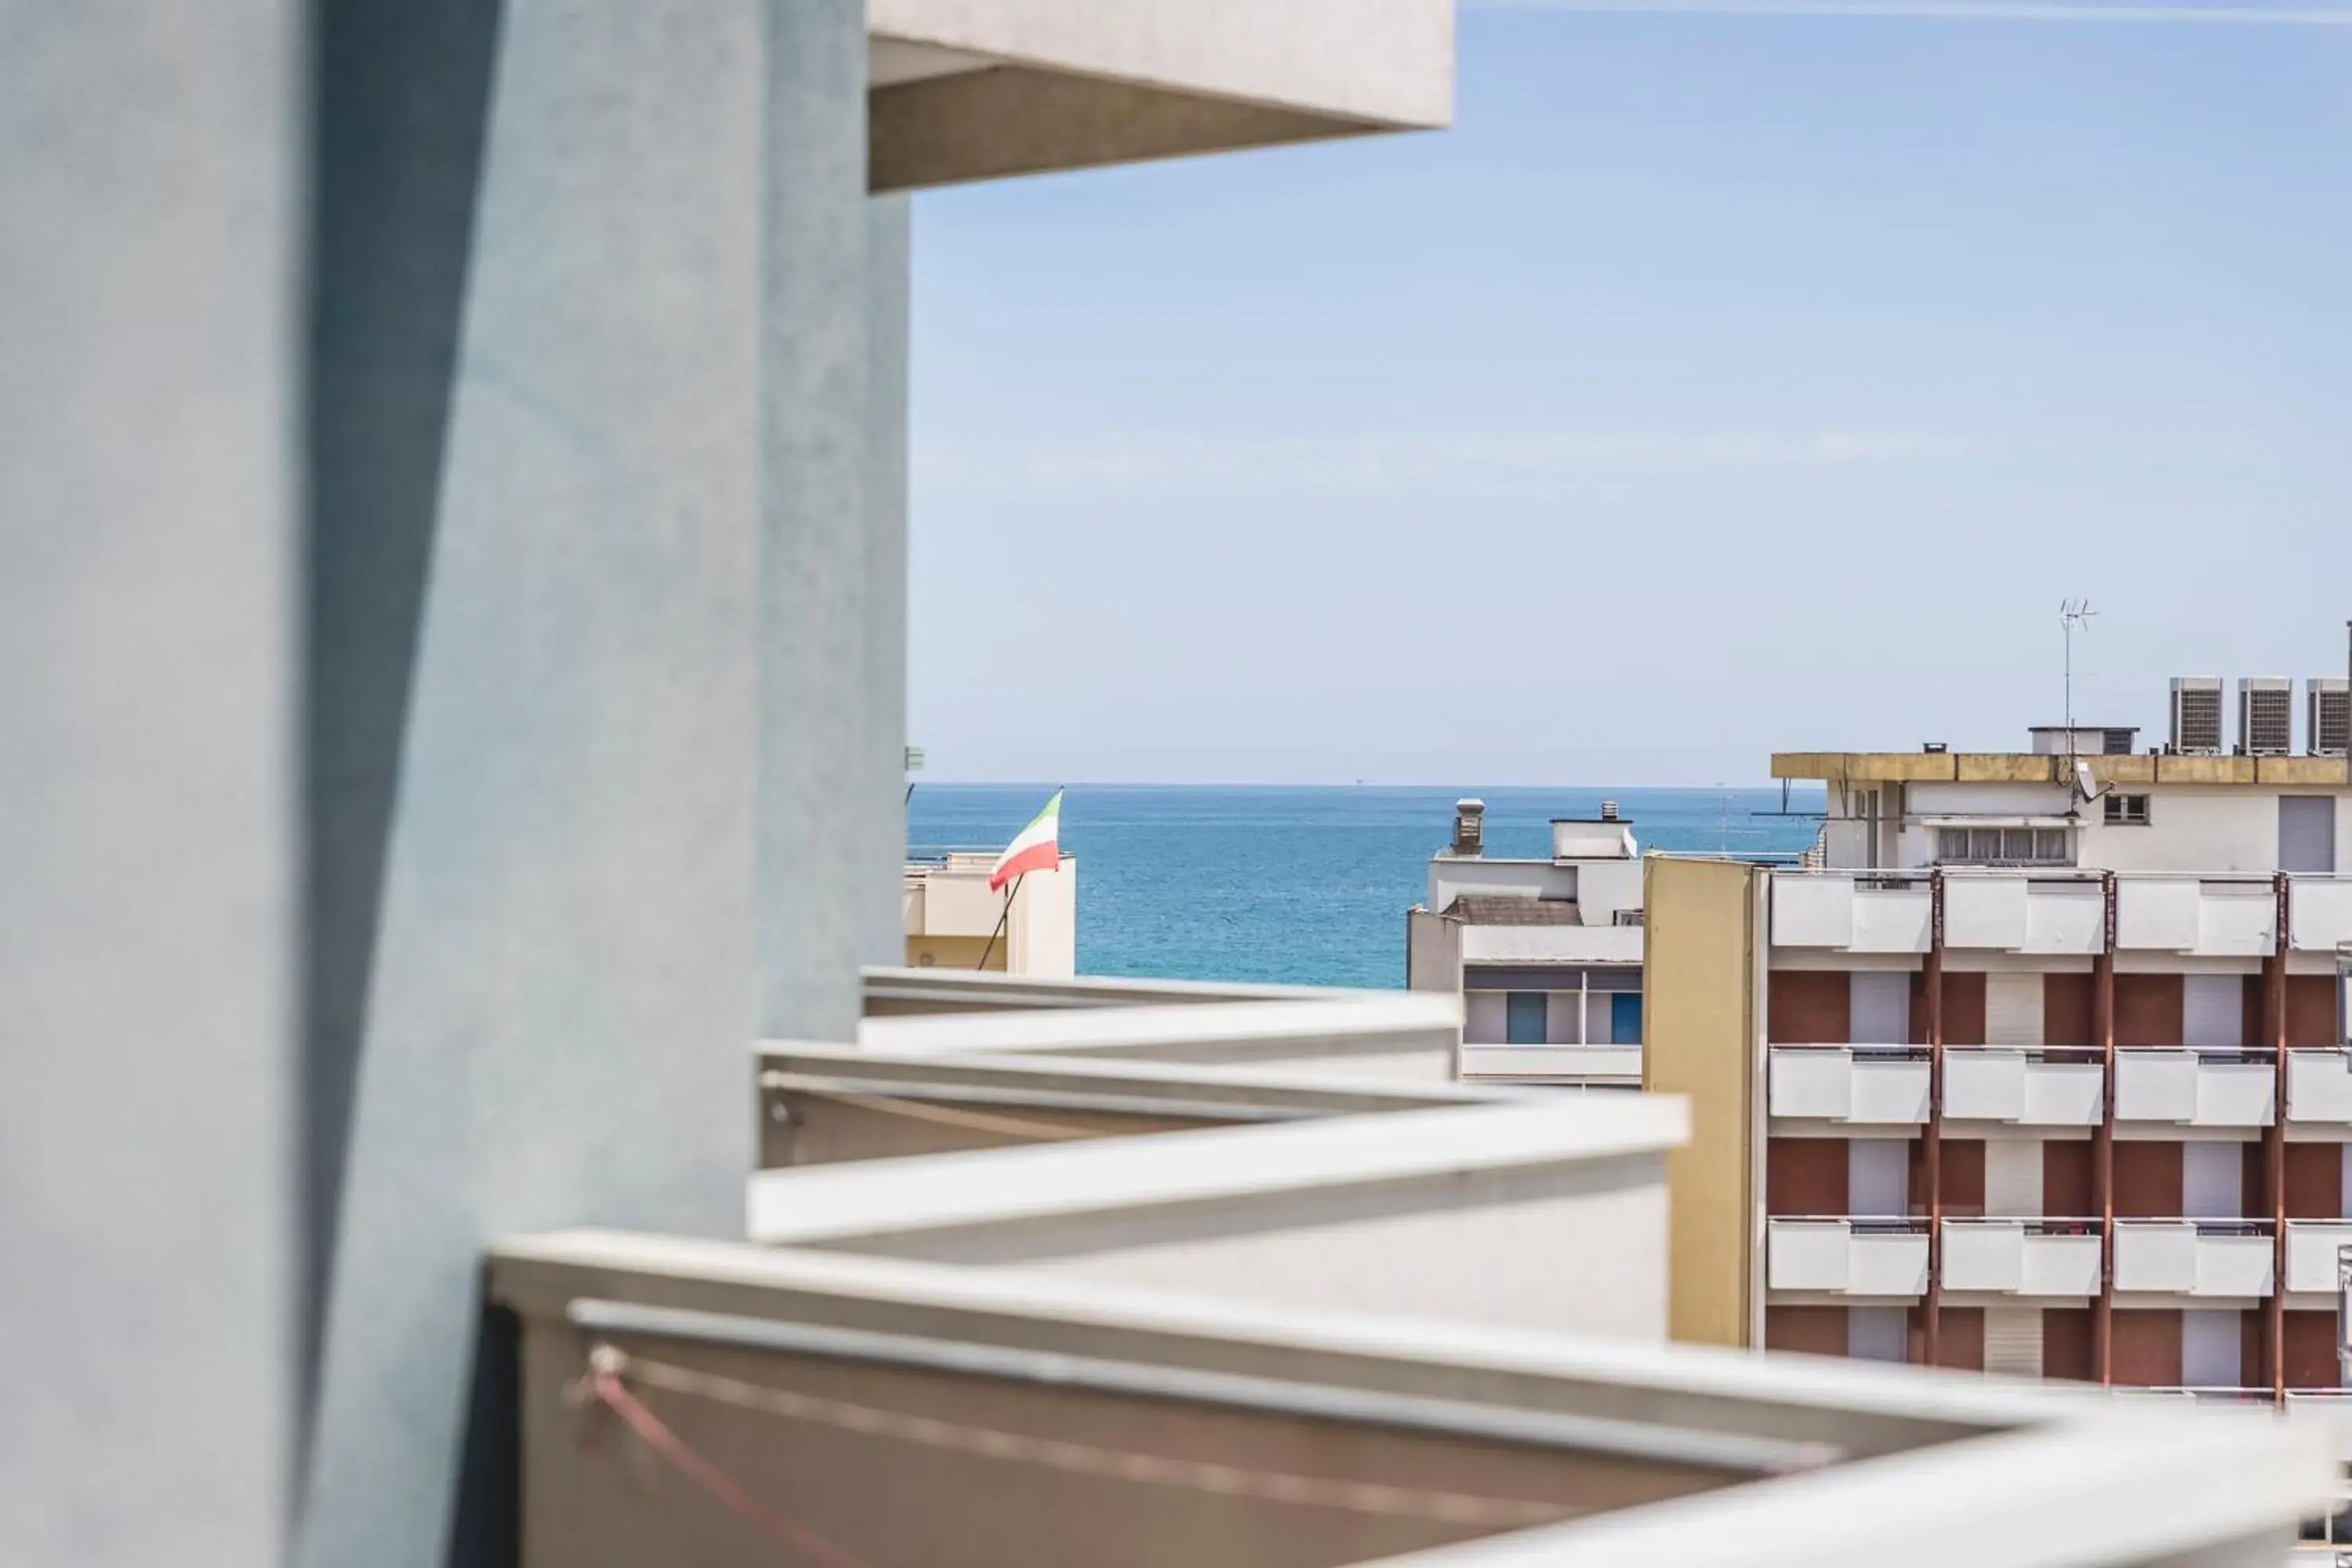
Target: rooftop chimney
[
  {"x": 1608, "y": 810},
  {"x": 1469, "y": 831}
]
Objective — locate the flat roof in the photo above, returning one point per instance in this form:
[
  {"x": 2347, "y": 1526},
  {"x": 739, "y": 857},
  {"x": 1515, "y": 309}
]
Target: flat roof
[{"x": 2038, "y": 767}]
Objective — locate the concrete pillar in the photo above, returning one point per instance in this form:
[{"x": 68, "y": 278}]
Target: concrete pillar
[
  {"x": 148, "y": 822},
  {"x": 818, "y": 823},
  {"x": 882, "y": 828},
  {"x": 537, "y": 653}
]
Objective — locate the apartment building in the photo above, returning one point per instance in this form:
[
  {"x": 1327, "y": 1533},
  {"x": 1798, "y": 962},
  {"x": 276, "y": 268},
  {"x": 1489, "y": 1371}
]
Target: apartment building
[
  {"x": 1544, "y": 953},
  {"x": 954, "y": 921},
  {"x": 2042, "y": 1070}
]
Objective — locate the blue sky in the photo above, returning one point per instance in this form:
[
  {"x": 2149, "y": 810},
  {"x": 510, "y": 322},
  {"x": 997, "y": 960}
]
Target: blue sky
[{"x": 1715, "y": 386}]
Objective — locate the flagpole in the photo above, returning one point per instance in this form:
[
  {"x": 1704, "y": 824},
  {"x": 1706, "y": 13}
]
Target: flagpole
[{"x": 1010, "y": 894}]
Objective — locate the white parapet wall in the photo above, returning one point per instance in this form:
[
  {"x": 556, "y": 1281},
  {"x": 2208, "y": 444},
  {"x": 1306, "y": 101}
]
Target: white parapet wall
[
  {"x": 1425, "y": 1443},
  {"x": 1546, "y": 1211},
  {"x": 1367, "y": 1034}
]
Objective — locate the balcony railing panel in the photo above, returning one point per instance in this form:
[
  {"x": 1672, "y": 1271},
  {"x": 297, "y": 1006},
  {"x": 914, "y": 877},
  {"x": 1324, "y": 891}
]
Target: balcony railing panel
[
  {"x": 2016, "y": 911},
  {"x": 2194, "y": 1257},
  {"x": 2319, "y": 1086},
  {"x": 2209, "y": 917},
  {"x": 2311, "y": 1249},
  {"x": 2195, "y": 1089},
  {"x": 2022, "y": 1086},
  {"x": 2030, "y": 1257},
  {"x": 2319, "y": 910},
  {"x": 1857, "y": 1084},
  {"x": 1869, "y": 1257},
  {"x": 1851, "y": 912}
]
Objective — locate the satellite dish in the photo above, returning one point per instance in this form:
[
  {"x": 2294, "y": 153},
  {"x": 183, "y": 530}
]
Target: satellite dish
[{"x": 2085, "y": 786}]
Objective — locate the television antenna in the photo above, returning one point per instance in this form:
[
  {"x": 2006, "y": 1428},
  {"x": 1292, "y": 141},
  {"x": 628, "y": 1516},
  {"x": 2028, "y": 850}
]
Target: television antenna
[{"x": 2075, "y": 615}]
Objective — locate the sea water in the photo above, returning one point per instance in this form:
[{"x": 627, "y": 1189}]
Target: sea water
[{"x": 1303, "y": 885}]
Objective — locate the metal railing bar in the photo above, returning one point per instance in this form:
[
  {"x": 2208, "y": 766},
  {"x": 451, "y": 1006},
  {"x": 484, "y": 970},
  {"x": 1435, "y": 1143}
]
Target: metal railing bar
[{"x": 1736, "y": 1453}]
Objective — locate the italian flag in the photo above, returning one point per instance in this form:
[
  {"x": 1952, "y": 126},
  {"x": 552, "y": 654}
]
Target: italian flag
[{"x": 1036, "y": 847}]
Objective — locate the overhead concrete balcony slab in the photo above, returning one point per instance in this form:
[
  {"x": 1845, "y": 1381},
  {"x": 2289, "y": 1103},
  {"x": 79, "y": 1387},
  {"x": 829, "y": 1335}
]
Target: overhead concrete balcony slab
[
  {"x": 976, "y": 89},
  {"x": 2311, "y": 1251},
  {"x": 1878, "y": 1258},
  {"x": 2194, "y": 1089},
  {"x": 2205, "y": 917},
  {"x": 2018, "y": 911},
  {"x": 2319, "y": 913},
  {"x": 2024, "y": 1086},
  {"x": 2319, "y": 1086},
  {"x": 2230, "y": 1258},
  {"x": 1852, "y": 911},
  {"x": 2025, "y": 1258},
  {"x": 1862, "y": 1085}
]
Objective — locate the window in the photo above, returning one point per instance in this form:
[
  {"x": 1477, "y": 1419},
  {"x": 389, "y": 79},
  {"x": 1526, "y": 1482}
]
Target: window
[
  {"x": 1625, "y": 1018},
  {"x": 1523, "y": 1018},
  {"x": 2004, "y": 847},
  {"x": 2127, "y": 811}
]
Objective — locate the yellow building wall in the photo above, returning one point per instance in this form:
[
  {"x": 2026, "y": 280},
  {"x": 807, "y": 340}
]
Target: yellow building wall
[
  {"x": 1699, "y": 1006},
  {"x": 955, "y": 952}
]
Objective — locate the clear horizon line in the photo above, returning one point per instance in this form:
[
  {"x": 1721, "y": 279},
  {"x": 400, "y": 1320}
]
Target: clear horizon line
[{"x": 2063, "y": 11}]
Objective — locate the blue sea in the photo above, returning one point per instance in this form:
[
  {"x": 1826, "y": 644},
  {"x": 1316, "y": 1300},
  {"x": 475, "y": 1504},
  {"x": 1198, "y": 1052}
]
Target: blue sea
[{"x": 1303, "y": 886}]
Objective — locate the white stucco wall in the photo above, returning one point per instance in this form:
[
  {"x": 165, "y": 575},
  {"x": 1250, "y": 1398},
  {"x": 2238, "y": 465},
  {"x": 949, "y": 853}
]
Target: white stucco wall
[
  {"x": 1581, "y": 1251},
  {"x": 1450, "y": 877}
]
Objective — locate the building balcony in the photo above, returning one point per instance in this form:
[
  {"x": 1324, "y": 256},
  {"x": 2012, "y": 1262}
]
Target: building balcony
[
  {"x": 1007, "y": 1329},
  {"x": 2206, "y": 917},
  {"x": 1618, "y": 1065},
  {"x": 1849, "y": 912},
  {"x": 2024, "y": 911},
  {"x": 1878, "y": 1258},
  {"x": 2206, "y": 1258},
  {"x": 2319, "y": 913},
  {"x": 2311, "y": 1251},
  {"x": 2025, "y": 1087},
  {"x": 2195, "y": 1089},
  {"x": 1861, "y": 1085},
  {"x": 1546, "y": 944},
  {"x": 2057, "y": 1259},
  {"x": 2319, "y": 1086},
  {"x": 2329, "y": 1409}
]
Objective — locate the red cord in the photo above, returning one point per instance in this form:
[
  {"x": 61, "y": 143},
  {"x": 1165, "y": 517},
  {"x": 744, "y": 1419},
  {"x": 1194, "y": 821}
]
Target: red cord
[{"x": 614, "y": 1395}]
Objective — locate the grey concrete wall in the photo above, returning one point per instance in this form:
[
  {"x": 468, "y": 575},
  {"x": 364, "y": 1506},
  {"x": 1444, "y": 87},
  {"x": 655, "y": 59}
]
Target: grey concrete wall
[
  {"x": 817, "y": 823},
  {"x": 554, "y": 380},
  {"x": 882, "y": 822},
  {"x": 148, "y": 548}
]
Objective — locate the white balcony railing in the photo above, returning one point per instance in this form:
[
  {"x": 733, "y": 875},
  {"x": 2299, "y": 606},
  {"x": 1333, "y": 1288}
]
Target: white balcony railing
[
  {"x": 2311, "y": 1248},
  {"x": 2319, "y": 913},
  {"x": 2332, "y": 1406},
  {"x": 2194, "y": 1257},
  {"x": 1875, "y": 1258},
  {"x": 2028, "y": 1087},
  {"x": 1852, "y": 911},
  {"x": 1870, "y": 1084},
  {"x": 2195, "y": 1089},
  {"x": 2019, "y": 912},
  {"x": 1552, "y": 1064},
  {"x": 2235, "y": 918},
  {"x": 2319, "y": 1084},
  {"x": 2036, "y": 1257}
]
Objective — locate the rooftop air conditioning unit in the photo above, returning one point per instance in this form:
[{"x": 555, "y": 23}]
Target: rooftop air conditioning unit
[
  {"x": 2197, "y": 715},
  {"x": 2120, "y": 742},
  {"x": 2266, "y": 716},
  {"x": 2328, "y": 723}
]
